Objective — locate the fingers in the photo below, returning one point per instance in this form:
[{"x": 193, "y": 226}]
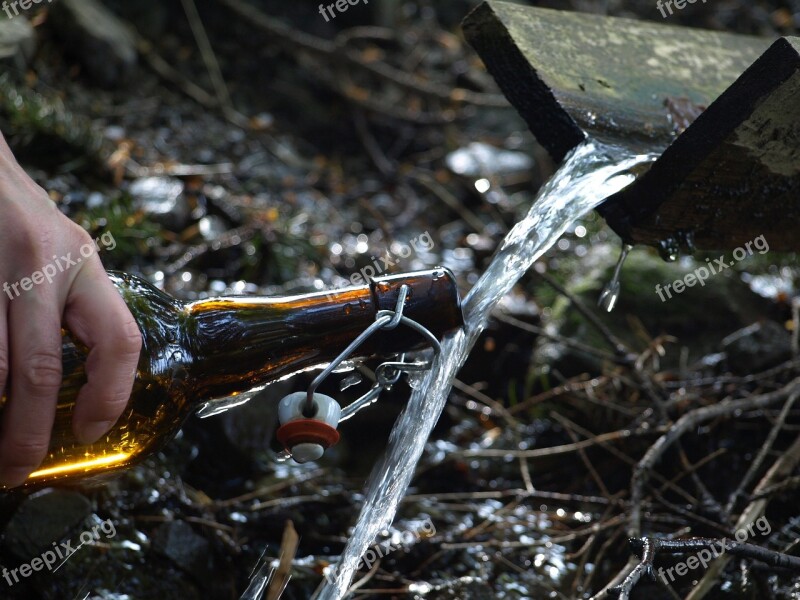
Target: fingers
[
  {"x": 33, "y": 330},
  {"x": 3, "y": 346},
  {"x": 96, "y": 314}
]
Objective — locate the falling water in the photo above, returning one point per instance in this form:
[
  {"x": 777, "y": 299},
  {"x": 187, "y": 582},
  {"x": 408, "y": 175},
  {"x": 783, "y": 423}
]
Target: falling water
[
  {"x": 591, "y": 173},
  {"x": 610, "y": 294}
]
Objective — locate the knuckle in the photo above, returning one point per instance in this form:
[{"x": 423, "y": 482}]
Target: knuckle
[
  {"x": 41, "y": 371},
  {"x": 82, "y": 237},
  {"x": 129, "y": 339},
  {"x": 111, "y": 409},
  {"x": 3, "y": 366},
  {"x": 82, "y": 240}
]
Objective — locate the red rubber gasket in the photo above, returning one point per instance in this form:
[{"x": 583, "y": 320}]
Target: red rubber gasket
[{"x": 307, "y": 431}]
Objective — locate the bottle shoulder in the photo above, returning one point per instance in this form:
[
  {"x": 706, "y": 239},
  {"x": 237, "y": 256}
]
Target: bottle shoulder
[{"x": 163, "y": 321}]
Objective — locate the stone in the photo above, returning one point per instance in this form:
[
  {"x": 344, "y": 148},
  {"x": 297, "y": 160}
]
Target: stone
[
  {"x": 189, "y": 551},
  {"x": 757, "y": 347},
  {"x": 699, "y": 317},
  {"x": 17, "y": 41},
  {"x": 43, "y": 518}
]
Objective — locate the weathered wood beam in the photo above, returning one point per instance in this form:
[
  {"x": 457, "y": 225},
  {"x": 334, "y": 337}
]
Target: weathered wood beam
[
  {"x": 734, "y": 174},
  {"x": 568, "y": 73},
  {"x": 730, "y": 177}
]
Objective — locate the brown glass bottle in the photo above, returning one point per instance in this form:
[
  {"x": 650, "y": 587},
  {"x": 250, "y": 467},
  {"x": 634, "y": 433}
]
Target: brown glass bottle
[{"x": 194, "y": 353}]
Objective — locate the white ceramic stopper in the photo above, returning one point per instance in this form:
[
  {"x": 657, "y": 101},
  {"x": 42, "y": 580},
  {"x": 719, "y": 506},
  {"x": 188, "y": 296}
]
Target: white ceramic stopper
[{"x": 291, "y": 408}]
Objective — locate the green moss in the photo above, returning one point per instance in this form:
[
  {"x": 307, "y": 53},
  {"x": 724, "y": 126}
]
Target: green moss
[
  {"x": 132, "y": 229},
  {"x": 698, "y": 317},
  {"x": 44, "y": 132}
]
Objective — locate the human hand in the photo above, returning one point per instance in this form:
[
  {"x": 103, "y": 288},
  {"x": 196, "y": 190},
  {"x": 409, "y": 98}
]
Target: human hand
[{"x": 34, "y": 237}]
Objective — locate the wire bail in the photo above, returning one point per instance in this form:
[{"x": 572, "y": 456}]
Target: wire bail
[{"x": 388, "y": 373}]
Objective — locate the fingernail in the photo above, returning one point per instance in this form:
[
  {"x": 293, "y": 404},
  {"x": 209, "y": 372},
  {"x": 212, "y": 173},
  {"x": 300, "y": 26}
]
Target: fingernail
[
  {"x": 13, "y": 476},
  {"x": 91, "y": 432}
]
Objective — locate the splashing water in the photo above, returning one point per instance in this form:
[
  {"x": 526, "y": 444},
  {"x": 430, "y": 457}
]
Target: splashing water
[{"x": 592, "y": 172}]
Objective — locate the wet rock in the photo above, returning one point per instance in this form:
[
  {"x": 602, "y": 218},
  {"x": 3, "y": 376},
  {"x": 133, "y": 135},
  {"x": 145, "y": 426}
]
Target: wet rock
[
  {"x": 189, "y": 551},
  {"x": 17, "y": 41},
  {"x": 103, "y": 44},
  {"x": 757, "y": 347},
  {"x": 479, "y": 159},
  {"x": 43, "y": 518},
  {"x": 162, "y": 199},
  {"x": 699, "y": 317}
]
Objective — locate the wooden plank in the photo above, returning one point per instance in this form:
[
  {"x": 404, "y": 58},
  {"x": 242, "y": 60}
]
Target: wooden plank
[
  {"x": 731, "y": 176},
  {"x": 568, "y": 73},
  {"x": 734, "y": 174}
]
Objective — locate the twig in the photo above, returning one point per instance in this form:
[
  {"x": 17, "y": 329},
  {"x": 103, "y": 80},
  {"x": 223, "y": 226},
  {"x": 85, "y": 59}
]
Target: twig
[
  {"x": 378, "y": 156},
  {"x": 619, "y": 347},
  {"x": 566, "y": 424},
  {"x": 181, "y": 170},
  {"x": 446, "y": 196},
  {"x": 538, "y": 495},
  {"x": 782, "y": 467},
  {"x": 191, "y": 89},
  {"x": 283, "y": 573},
  {"x": 732, "y": 547},
  {"x": 228, "y": 239},
  {"x": 645, "y": 566},
  {"x": 519, "y": 324},
  {"x": 207, "y": 52},
  {"x": 598, "y": 440},
  {"x": 689, "y": 421},
  {"x": 512, "y": 422},
  {"x": 648, "y": 548},
  {"x": 269, "y": 489},
  {"x": 755, "y": 466},
  {"x": 342, "y": 60},
  {"x": 571, "y": 386},
  {"x": 785, "y": 485}
]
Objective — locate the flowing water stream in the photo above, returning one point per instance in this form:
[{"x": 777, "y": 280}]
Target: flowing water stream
[{"x": 591, "y": 173}]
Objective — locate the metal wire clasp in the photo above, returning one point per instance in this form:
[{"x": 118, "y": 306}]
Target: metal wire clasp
[{"x": 387, "y": 373}]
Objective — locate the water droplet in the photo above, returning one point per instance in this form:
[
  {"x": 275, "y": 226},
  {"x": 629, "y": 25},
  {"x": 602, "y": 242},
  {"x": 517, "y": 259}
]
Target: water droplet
[
  {"x": 350, "y": 381},
  {"x": 686, "y": 240},
  {"x": 668, "y": 249},
  {"x": 345, "y": 367},
  {"x": 610, "y": 294}
]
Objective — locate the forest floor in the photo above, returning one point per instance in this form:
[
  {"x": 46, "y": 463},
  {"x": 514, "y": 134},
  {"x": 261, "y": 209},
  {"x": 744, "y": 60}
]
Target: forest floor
[{"x": 324, "y": 145}]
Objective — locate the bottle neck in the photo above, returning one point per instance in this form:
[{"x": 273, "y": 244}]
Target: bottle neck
[{"x": 241, "y": 343}]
